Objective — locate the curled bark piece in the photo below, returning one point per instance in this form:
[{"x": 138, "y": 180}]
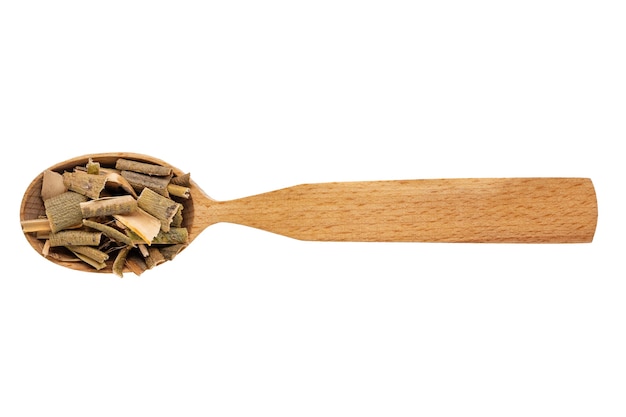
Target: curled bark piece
[
  {"x": 143, "y": 249},
  {"x": 52, "y": 185},
  {"x": 179, "y": 191},
  {"x": 141, "y": 223},
  {"x": 142, "y": 167},
  {"x": 176, "y": 235},
  {"x": 35, "y": 225},
  {"x": 108, "y": 206},
  {"x": 90, "y": 251},
  {"x": 120, "y": 261},
  {"x": 63, "y": 211},
  {"x": 116, "y": 180},
  {"x": 75, "y": 238},
  {"x": 160, "y": 207},
  {"x": 108, "y": 231},
  {"x": 89, "y": 185},
  {"x": 177, "y": 221},
  {"x": 136, "y": 264},
  {"x": 63, "y": 256},
  {"x": 154, "y": 258},
  {"x": 97, "y": 265},
  {"x": 46, "y": 249},
  {"x": 141, "y": 181},
  {"x": 182, "y": 180},
  {"x": 93, "y": 167},
  {"x": 169, "y": 252}
]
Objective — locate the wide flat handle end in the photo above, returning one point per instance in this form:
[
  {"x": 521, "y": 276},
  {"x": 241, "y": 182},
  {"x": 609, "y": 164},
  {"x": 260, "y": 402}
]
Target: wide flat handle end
[{"x": 480, "y": 210}]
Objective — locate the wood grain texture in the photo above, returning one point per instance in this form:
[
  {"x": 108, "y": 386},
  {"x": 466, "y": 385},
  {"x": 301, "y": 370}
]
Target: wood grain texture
[{"x": 515, "y": 210}]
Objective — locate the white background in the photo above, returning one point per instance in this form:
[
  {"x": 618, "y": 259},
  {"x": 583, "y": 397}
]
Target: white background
[{"x": 254, "y": 96}]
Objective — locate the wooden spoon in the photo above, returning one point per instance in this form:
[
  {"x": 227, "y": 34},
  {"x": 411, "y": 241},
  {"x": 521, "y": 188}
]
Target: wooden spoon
[{"x": 479, "y": 210}]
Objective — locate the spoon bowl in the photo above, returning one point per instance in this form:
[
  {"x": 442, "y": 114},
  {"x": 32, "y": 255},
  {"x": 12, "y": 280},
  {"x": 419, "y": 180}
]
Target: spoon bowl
[
  {"x": 464, "y": 210},
  {"x": 32, "y": 206}
]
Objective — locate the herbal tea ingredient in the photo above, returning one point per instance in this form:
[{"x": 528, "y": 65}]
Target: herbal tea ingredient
[{"x": 103, "y": 216}]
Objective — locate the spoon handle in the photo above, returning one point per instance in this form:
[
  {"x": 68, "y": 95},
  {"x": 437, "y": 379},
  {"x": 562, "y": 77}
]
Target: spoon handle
[{"x": 514, "y": 210}]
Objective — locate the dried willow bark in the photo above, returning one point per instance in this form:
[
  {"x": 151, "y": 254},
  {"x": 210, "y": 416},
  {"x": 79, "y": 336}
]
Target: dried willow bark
[
  {"x": 143, "y": 249},
  {"x": 89, "y": 185},
  {"x": 154, "y": 258},
  {"x": 97, "y": 265},
  {"x": 78, "y": 215},
  {"x": 179, "y": 191},
  {"x": 136, "y": 264},
  {"x": 181, "y": 180},
  {"x": 46, "y": 248},
  {"x": 63, "y": 211},
  {"x": 108, "y": 231},
  {"x": 177, "y": 221},
  {"x": 115, "y": 180},
  {"x": 90, "y": 251},
  {"x": 93, "y": 167},
  {"x": 176, "y": 235},
  {"x": 142, "y": 167},
  {"x": 108, "y": 206},
  {"x": 52, "y": 185},
  {"x": 169, "y": 252},
  {"x": 35, "y": 225},
  {"x": 140, "y": 181},
  {"x": 75, "y": 238},
  {"x": 120, "y": 261},
  {"x": 141, "y": 223},
  {"x": 158, "y": 206}
]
